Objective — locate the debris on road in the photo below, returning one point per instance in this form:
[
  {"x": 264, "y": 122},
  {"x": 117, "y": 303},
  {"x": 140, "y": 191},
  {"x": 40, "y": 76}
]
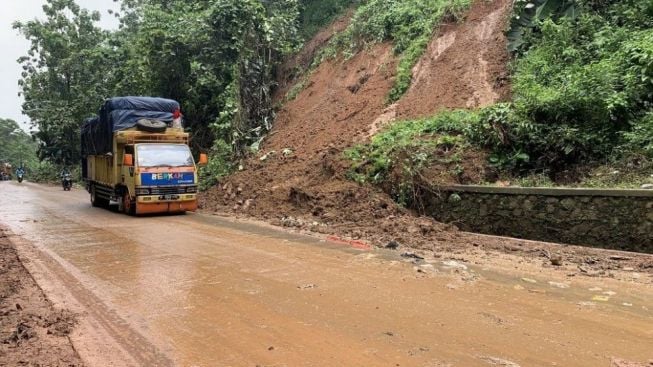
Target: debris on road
[
  {"x": 32, "y": 331},
  {"x": 559, "y": 285},
  {"x": 454, "y": 265},
  {"x": 499, "y": 362},
  {"x": 601, "y": 298},
  {"x": 412, "y": 255},
  {"x": 617, "y": 362},
  {"x": 392, "y": 245},
  {"x": 307, "y": 286},
  {"x": 556, "y": 260}
]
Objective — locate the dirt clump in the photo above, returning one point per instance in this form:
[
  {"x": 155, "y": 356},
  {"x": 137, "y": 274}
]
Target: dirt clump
[{"x": 32, "y": 331}]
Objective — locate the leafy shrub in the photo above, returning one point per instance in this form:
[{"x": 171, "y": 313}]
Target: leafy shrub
[
  {"x": 640, "y": 137},
  {"x": 578, "y": 87},
  {"x": 220, "y": 164},
  {"x": 46, "y": 171},
  {"x": 410, "y": 144}
]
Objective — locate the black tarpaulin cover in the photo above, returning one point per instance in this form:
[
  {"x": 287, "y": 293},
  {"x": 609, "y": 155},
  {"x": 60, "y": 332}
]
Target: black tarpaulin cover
[{"x": 122, "y": 113}]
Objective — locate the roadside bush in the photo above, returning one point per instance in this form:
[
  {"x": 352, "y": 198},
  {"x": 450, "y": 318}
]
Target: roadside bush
[
  {"x": 579, "y": 87},
  {"x": 220, "y": 165},
  {"x": 409, "y": 145},
  {"x": 640, "y": 138},
  {"x": 48, "y": 172}
]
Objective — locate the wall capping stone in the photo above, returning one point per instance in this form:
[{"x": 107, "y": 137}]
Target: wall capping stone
[{"x": 547, "y": 191}]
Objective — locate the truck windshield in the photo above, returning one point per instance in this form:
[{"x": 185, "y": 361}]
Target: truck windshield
[{"x": 164, "y": 155}]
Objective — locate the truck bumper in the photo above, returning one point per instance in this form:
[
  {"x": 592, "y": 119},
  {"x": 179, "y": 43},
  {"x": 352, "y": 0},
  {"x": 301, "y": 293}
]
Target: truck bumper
[
  {"x": 153, "y": 204},
  {"x": 168, "y": 207}
]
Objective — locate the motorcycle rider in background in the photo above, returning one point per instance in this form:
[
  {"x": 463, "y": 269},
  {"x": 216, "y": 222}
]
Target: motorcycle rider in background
[
  {"x": 66, "y": 179},
  {"x": 20, "y": 172}
]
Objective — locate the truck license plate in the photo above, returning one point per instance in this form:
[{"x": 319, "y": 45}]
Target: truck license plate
[{"x": 169, "y": 197}]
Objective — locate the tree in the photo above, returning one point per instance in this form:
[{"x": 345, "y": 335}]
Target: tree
[
  {"x": 65, "y": 76},
  {"x": 216, "y": 58},
  {"x": 16, "y": 146}
]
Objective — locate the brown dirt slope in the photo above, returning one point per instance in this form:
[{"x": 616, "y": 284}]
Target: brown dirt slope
[
  {"x": 464, "y": 67},
  {"x": 291, "y": 70},
  {"x": 32, "y": 331}
]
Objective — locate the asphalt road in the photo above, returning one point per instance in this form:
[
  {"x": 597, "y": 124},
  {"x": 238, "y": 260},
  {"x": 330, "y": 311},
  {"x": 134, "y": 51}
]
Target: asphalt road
[{"x": 199, "y": 290}]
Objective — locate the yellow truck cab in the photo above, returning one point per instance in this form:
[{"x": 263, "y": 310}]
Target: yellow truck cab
[{"x": 137, "y": 154}]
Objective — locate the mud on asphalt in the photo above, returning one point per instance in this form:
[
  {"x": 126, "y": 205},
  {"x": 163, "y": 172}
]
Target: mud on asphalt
[{"x": 32, "y": 331}]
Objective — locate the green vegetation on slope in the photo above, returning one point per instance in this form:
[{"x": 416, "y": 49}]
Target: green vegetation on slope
[{"x": 582, "y": 94}]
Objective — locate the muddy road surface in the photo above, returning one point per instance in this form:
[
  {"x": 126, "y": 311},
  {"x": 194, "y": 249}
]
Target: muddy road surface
[{"x": 197, "y": 290}]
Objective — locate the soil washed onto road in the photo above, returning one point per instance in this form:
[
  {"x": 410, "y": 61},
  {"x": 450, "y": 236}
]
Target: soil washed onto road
[
  {"x": 32, "y": 331},
  {"x": 200, "y": 290}
]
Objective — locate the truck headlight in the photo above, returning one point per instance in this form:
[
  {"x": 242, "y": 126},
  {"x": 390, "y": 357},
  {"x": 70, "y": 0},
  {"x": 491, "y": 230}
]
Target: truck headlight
[{"x": 191, "y": 190}]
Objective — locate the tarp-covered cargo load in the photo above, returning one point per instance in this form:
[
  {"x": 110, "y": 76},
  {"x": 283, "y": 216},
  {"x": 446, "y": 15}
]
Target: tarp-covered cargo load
[{"x": 122, "y": 113}]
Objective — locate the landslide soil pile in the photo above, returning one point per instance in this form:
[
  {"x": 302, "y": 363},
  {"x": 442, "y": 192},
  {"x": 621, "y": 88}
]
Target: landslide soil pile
[
  {"x": 32, "y": 331},
  {"x": 300, "y": 170},
  {"x": 299, "y": 177}
]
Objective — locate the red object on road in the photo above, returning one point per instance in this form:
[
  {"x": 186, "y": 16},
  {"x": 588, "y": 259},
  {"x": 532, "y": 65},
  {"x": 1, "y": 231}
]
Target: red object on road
[{"x": 353, "y": 243}]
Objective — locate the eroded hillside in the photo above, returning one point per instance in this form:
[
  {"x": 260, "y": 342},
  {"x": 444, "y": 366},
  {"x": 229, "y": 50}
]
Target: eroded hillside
[{"x": 300, "y": 176}]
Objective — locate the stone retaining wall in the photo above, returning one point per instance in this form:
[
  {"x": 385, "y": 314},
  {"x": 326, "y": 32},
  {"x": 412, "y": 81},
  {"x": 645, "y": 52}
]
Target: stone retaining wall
[{"x": 614, "y": 219}]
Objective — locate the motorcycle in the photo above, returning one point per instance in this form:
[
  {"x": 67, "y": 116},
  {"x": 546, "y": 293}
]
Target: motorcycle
[
  {"x": 67, "y": 182},
  {"x": 19, "y": 177}
]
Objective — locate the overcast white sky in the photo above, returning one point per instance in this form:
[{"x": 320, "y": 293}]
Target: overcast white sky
[{"x": 13, "y": 46}]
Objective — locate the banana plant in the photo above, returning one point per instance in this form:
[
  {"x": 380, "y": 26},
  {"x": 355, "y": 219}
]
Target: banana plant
[{"x": 527, "y": 13}]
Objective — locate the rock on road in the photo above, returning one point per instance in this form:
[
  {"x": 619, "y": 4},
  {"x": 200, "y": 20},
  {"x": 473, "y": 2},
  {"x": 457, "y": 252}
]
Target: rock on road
[{"x": 199, "y": 290}]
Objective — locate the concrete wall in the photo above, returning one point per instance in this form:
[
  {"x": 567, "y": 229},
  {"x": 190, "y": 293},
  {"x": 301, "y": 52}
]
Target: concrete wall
[{"x": 615, "y": 219}]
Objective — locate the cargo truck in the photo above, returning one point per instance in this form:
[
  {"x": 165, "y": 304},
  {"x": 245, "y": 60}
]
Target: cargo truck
[
  {"x": 136, "y": 153},
  {"x": 5, "y": 172}
]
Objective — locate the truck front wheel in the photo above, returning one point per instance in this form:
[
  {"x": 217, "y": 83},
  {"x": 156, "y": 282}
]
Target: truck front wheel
[{"x": 127, "y": 206}]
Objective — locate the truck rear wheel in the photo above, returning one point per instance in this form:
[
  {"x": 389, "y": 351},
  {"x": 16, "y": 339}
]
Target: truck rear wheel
[{"x": 97, "y": 201}]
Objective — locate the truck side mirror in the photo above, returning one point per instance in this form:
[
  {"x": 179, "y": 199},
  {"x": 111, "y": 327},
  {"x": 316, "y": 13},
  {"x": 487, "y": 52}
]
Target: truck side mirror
[
  {"x": 128, "y": 160},
  {"x": 204, "y": 159}
]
